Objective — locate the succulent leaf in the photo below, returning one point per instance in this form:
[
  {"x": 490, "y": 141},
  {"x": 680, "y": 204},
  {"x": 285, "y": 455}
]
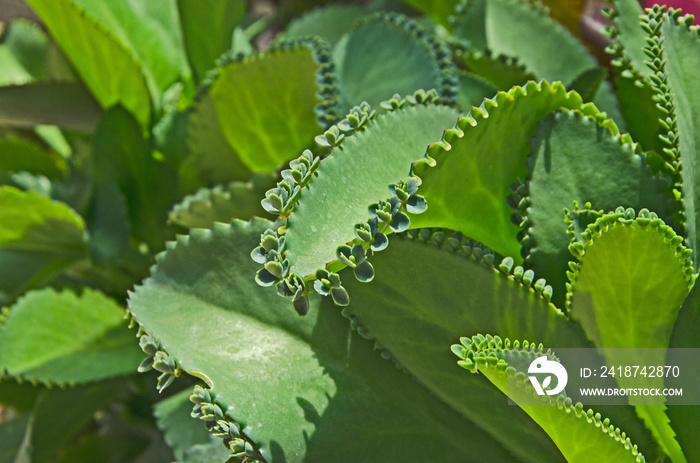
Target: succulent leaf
[
  {"x": 505, "y": 365},
  {"x": 302, "y": 389}
]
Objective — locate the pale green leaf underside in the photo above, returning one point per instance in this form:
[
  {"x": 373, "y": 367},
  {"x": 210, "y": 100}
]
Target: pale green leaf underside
[
  {"x": 579, "y": 436},
  {"x": 466, "y": 177},
  {"x": 573, "y": 158},
  {"x": 265, "y": 107},
  {"x": 208, "y": 32},
  {"x": 682, "y": 53},
  {"x": 356, "y": 175},
  {"x": 402, "y": 64},
  {"x": 61, "y": 338},
  {"x": 106, "y": 66},
  {"x": 330, "y": 22},
  {"x": 237, "y": 200},
  {"x": 185, "y": 436},
  {"x": 304, "y": 389}
]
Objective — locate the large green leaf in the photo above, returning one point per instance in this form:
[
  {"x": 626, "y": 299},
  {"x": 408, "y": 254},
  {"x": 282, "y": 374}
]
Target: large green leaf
[
  {"x": 576, "y": 432},
  {"x": 682, "y": 53},
  {"x": 38, "y": 238},
  {"x": 106, "y": 65},
  {"x": 408, "y": 56},
  {"x": 574, "y": 158},
  {"x": 439, "y": 10},
  {"x": 626, "y": 291},
  {"x": 266, "y": 107},
  {"x": 22, "y": 54},
  {"x": 65, "y": 104},
  {"x": 466, "y": 176},
  {"x": 208, "y": 32},
  {"x": 60, "y": 338},
  {"x": 430, "y": 289},
  {"x": 302, "y": 389},
  {"x": 356, "y": 175},
  {"x": 123, "y": 158}
]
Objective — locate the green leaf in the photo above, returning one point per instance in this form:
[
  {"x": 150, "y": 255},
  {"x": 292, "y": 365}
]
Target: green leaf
[
  {"x": 408, "y": 60},
  {"x": 19, "y": 155},
  {"x": 686, "y": 418},
  {"x": 330, "y": 22},
  {"x": 237, "y": 200},
  {"x": 631, "y": 36},
  {"x": 557, "y": 178},
  {"x": 106, "y": 65},
  {"x": 626, "y": 291},
  {"x": 355, "y": 176},
  {"x": 261, "y": 110},
  {"x": 439, "y": 10},
  {"x": 150, "y": 31},
  {"x": 426, "y": 293},
  {"x": 302, "y": 389},
  {"x": 123, "y": 157},
  {"x": 502, "y": 71},
  {"x": 38, "y": 238},
  {"x": 187, "y": 437},
  {"x": 208, "y": 32},
  {"x": 22, "y": 53},
  {"x": 682, "y": 53},
  {"x": 64, "y": 104},
  {"x": 513, "y": 26},
  {"x": 472, "y": 90},
  {"x": 61, "y": 338},
  {"x": 506, "y": 367},
  {"x": 478, "y": 207}
]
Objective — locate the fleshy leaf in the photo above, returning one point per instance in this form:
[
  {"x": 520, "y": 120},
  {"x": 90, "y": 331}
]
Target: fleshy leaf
[
  {"x": 151, "y": 32},
  {"x": 681, "y": 48},
  {"x": 626, "y": 291},
  {"x": 107, "y": 67},
  {"x": 22, "y": 53},
  {"x": 472, "y": 90},
  {"x": 505, "y": 365},
  {"x": 123, "y": 157},
  {"x": 356, "y": 176},
  {"x": 439, "y": 10},
  {"x": 237, "y": 200},
  {"x": 208, "y": 31},
  {"x": 61, "y": 338},
  {"x": 478, "y": 207},
  {"x": 408, "y": 55},
  {"x": 187, "y": 437},
  {"x": 330, "y": 22},
  {"x": 295, "y": 94},
  {"x": 429, "y": 289},
  {"x": 38, "y": 238},
  {"x": 64, "y": 104},
  {"x": 686, "y": 418},
  {"x": 573, "y": 158},
  {"x": 299, "y": 389}
]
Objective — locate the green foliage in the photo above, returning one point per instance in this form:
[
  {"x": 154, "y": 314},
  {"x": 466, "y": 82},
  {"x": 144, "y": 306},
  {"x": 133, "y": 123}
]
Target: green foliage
[{"x": 403, "y": 175}]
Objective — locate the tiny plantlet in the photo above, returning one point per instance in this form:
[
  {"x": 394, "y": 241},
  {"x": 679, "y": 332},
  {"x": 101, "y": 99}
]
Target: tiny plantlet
[{"x": 228, "y": 235}]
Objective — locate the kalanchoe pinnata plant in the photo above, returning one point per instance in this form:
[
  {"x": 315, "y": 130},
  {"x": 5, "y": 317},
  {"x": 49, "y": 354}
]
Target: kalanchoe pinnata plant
[{"x": 330, "y": 219}]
